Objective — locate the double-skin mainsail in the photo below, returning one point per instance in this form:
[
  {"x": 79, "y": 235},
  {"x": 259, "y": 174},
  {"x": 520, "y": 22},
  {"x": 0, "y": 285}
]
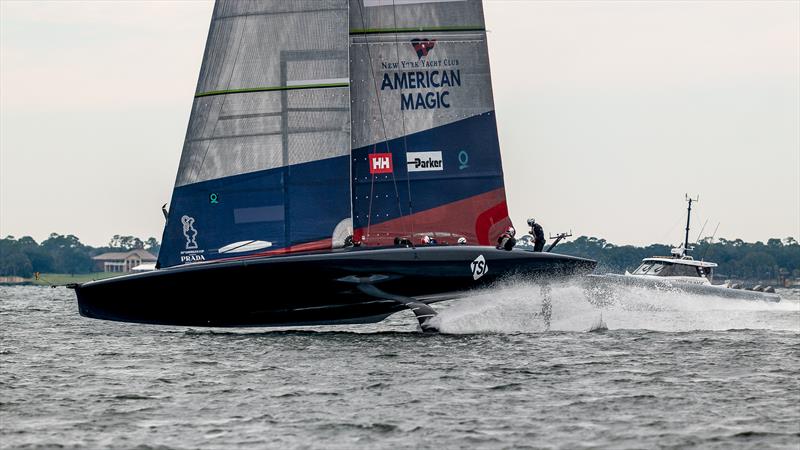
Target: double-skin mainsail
[{"x": 315, "y": 119}]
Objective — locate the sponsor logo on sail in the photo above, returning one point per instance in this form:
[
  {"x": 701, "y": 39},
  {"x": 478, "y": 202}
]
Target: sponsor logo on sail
[
  {"x": 194, "y": 256},
  {"x": 431, "y": 79},
  {"x": 191, "y": 253},
  {"x": 423, "y": 46},
  {"x": 424, "y": 161},
  {"x": 431, "y": 82},
  {"x": 479, "y": 267},
  {"x": 463, "y": 160},
  {"x": 189, "y": 232},
  {"x": 380, "y": 163}
]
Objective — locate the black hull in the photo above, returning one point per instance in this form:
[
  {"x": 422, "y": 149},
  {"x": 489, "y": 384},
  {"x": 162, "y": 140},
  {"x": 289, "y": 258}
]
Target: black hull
[{"x": 309, "y": 289}]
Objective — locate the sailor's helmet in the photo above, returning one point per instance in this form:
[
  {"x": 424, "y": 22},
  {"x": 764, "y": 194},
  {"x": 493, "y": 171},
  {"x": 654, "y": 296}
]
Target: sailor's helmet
[{"x": 531, "y": 222}]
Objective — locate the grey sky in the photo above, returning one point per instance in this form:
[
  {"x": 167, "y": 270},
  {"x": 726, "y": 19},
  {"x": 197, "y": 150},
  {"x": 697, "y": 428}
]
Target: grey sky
[{"x": 608, "y": 112}]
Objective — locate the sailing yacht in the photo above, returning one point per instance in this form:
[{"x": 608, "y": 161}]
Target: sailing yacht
[{"x": 328, "y": 142}]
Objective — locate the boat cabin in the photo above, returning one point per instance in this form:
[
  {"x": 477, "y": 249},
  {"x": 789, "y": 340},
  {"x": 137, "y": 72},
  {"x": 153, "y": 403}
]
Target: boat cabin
[{"x": 686, "y": 266}]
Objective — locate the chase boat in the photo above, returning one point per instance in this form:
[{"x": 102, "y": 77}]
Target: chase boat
[{"x": 681, "y": 272}]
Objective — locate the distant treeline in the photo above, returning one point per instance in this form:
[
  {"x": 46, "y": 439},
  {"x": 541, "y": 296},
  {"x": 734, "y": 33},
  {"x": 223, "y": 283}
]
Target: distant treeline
[
  {"x": 737, "y": 259},
  {"x": 61, "y": 254}
]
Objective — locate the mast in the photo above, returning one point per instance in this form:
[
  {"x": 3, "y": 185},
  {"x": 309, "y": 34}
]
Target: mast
[{"x": 688, "y": 219}]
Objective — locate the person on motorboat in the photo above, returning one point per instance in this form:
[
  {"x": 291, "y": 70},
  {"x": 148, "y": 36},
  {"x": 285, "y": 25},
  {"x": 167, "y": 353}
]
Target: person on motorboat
[
  {"x": 538, "y": 235},
  {"x": 462, "y": 241},
  {"x": 428, "y": 240},
  {"x": 506, "y": 241}
]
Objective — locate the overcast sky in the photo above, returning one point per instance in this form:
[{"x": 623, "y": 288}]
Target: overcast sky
[{"x": 608, "y": 112}]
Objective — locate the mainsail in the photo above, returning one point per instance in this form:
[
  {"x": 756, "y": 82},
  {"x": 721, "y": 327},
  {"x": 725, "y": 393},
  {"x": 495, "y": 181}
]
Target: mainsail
[
  {"x": 265, "y": 165},
  {"x": 314, "y": 119},
  {"x": 425, "y": 152}
]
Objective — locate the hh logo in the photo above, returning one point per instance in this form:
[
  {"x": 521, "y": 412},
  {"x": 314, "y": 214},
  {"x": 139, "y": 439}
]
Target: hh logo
[
  {"x": 380, "y": 163},
  {"x": 423, "y": 46}
]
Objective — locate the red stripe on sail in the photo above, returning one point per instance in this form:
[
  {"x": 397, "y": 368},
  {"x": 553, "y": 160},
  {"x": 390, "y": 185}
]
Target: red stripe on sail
[
  {"x": 496, "y": 215},
  {"x": 480, "y": 219}
]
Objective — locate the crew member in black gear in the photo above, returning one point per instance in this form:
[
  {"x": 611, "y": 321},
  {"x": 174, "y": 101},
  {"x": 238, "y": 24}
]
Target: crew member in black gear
[
  {"x": 538, "y": 235},
  {"x": 403, "y": 242},
  {"x": 506, "y": 241}
]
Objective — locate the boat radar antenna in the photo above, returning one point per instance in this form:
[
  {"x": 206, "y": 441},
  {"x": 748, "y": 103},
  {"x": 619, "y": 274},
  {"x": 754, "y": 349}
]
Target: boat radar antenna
[
  {"x": 558, "y": 239},
  {"x": 688, "y": 219}
]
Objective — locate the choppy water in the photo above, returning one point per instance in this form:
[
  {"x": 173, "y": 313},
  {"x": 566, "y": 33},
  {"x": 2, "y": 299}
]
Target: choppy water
[{"x": 671, "y": 371}]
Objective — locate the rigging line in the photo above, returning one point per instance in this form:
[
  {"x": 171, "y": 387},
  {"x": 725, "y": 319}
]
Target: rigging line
[
  {"x": 351, "y": 170},
  {"x": 371, "y": 192},
  {"x": 700, "y": 234},
  {"x": 405, "y": 137},
  {"x": 710, "y": 243},
  {"x": 224, "y": 99},
  {"x": 383, "y": 121}
]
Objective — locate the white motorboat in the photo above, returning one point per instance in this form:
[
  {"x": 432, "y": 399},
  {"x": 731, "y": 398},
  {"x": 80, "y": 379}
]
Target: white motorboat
[{"x": 682, "y": 272}]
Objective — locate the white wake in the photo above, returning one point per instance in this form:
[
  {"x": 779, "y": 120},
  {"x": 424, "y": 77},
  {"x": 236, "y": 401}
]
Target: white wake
[{"x": 520, "y": 307}]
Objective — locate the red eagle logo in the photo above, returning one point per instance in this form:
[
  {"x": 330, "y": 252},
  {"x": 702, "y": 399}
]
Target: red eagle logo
[{"x": 423, "y": 46}]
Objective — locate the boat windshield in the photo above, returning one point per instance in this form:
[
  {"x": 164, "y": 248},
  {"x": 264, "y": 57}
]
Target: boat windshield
[{"x": 666, "y": 269}]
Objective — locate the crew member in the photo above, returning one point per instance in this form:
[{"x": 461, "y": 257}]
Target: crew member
[
  {"x": 428, "y": 240},
  {"x": 538, "y": 235},
  {"x": 462, "y": 241},
  {"x": 402, "y": 242},
  {"x": 506, "y": 241},
  {"x": 350, "y": 242}
]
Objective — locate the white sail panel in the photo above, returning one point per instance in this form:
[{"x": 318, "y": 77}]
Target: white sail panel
[
  {"x": 395, "y": 92},
  {"x": 244, "y": 118}
]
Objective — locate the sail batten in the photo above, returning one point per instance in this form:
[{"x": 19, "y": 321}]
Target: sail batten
[
  {"x": 291, "y": 86},
  {"x": 429, "y": 29}
]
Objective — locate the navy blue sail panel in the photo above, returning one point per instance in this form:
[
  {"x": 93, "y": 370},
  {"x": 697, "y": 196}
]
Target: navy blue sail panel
[
  {"x": 264, "y": 167},
  {"x": 296, "y": 206},
  {"x": 444, "y": 190}
]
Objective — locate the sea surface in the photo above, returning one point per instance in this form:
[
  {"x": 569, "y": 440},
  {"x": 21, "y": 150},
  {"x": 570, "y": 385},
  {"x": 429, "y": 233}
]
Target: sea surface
[{"x": 671, "y": 370}]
